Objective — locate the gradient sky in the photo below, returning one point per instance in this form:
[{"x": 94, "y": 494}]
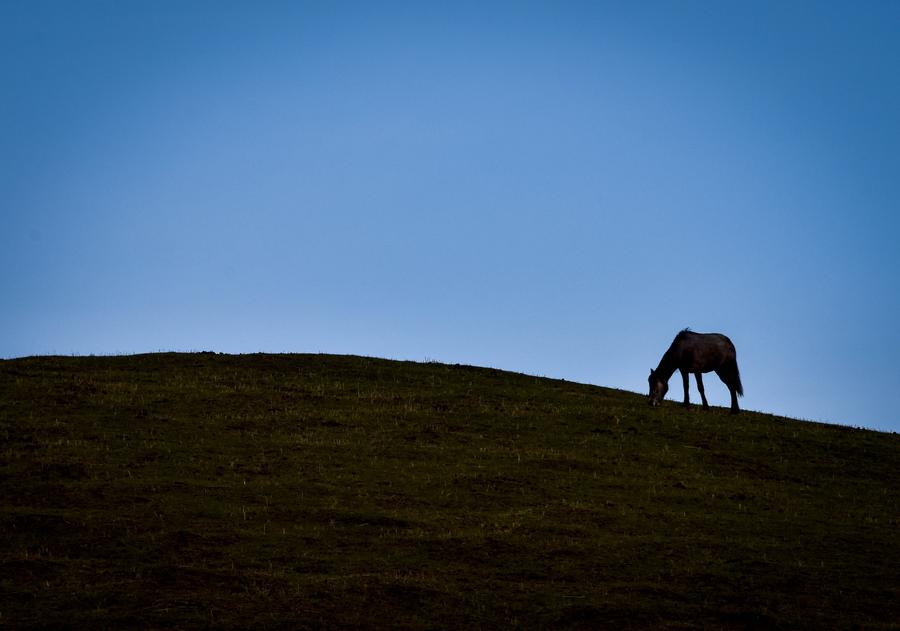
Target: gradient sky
[{"x": 554, "y": 188}]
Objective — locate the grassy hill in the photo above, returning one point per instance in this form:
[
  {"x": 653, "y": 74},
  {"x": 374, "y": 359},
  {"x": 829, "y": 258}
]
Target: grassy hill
[{"x": 313, "y": 491}]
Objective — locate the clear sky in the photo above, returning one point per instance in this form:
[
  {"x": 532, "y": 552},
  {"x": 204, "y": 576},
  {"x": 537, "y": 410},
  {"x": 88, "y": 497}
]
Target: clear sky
[{"x": 551, "y": 187}]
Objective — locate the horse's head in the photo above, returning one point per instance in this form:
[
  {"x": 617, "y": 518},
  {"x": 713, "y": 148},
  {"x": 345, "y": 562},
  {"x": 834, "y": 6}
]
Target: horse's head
[{"x": 658, "y": 388}]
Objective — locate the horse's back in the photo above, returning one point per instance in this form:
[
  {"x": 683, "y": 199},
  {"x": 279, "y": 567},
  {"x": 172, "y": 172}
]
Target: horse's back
[
  {"x": 693, "y": 339},
  {"x": 703, "y": 351}
]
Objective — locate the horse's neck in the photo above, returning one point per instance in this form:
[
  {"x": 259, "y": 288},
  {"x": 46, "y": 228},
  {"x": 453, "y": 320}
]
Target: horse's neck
[{"x": 667, "y": 365}]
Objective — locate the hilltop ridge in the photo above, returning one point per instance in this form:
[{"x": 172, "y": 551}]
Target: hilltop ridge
[{"x": 319, "y": 490}]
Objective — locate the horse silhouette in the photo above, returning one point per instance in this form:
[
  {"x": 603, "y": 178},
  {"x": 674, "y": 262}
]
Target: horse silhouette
[{"x": 697, "y": 353}]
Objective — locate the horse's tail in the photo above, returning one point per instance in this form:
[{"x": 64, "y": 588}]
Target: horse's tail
[{"x": 738, "y": 387}]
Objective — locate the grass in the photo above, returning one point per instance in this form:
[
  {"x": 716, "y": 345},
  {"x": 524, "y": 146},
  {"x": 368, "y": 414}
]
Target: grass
[{"x": 312, "y": 491}]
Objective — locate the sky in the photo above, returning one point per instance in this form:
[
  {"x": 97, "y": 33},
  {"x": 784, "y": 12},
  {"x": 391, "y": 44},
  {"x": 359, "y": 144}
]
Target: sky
[{"x": 555, "y": 188}]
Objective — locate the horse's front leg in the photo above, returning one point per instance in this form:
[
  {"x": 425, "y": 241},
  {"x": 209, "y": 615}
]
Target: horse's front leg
[{"x": 687, "y": 397}]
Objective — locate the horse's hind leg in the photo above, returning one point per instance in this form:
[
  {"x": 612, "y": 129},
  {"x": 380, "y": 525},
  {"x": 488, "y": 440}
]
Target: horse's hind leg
[
  {"x": 687, "y": 397},
  {"x": 700, "y": 388},
  {"x": 728, "y": 379}
]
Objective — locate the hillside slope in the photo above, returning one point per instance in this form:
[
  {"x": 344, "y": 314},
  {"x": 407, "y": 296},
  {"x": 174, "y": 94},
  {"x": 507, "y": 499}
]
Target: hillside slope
[{"x": 309, "y": 491}]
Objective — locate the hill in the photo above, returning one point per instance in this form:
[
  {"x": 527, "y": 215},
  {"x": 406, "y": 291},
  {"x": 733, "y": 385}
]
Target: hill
[{"x": 311, "y": 491}]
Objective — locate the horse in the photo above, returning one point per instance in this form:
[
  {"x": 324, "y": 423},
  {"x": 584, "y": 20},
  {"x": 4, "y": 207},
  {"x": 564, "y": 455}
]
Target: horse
[{"x": 697, "y": 353}]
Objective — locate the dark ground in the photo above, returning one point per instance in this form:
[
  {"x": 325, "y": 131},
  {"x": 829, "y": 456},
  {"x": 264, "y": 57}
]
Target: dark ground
[{"x": 313, "y": 491}]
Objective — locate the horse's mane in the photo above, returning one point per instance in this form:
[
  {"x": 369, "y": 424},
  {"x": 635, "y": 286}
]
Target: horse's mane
[{"x": 686, "y": 329}]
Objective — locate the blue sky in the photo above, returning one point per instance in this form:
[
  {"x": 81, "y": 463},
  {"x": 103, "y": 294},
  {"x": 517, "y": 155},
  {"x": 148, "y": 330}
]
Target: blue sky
[{"x": 547, "y": 187}]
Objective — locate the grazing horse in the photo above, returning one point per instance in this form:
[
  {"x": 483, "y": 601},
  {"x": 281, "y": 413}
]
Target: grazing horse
[{"x": 697, "y": 353}]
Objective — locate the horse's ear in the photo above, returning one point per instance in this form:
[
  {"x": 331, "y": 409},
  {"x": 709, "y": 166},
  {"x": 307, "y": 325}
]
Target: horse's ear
[{"x": 651, "y": 372}]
